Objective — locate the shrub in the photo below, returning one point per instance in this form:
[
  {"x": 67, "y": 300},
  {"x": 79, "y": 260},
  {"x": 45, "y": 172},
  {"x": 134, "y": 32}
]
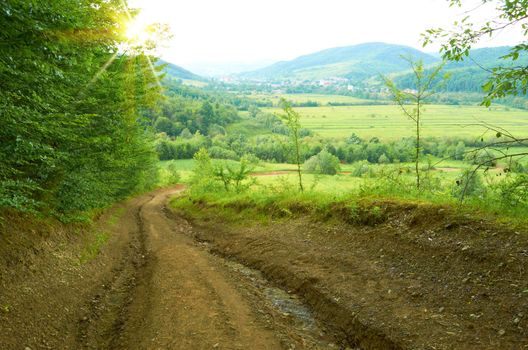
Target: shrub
[
  {"x": 483, "y": 158},
  {"x": 323, "y": 163},
  {"x": 222, "y": 153},
  {"x": 383, "y": 159},
  {"x": 469, "y": 184},
  {"x": 513, "y": 191},
  {"x": 361, "y": 169},
  {"x": 173, "y": 176}
]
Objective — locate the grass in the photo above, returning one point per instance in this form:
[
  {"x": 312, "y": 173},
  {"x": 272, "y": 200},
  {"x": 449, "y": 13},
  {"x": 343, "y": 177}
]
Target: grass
[
  {"x": 248, "y": 127},
  {"x": 99, "y": 238},
  {"x": 93, "y": 248},
  {"x": 277, "y": 198},
  {"x": 279, "y": 194},
  {"x": 319, "y": 98},
  {"x": 388, "y": 123}
]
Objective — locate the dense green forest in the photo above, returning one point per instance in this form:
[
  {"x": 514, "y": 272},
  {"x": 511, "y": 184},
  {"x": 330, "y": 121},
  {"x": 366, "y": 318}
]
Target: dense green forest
[{"x": 74, "y": 97}]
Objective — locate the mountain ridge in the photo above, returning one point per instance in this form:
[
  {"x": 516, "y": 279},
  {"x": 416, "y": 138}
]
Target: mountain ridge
[
  {"x": 367, "y": 61},
  {"x": 178, "y": 72},
  {"x": 354, "y": 62}
]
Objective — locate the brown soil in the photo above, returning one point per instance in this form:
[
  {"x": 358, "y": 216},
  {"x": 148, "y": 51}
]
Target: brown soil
[
  {"x": 411, "y": 277},
  {"x": 152, "y": 286},
  {"x": 421, "y": 277}
]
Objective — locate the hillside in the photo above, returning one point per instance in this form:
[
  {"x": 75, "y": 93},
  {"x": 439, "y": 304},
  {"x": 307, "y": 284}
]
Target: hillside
[
  {"x": 365, "y": 62},
  {"x": 179, "y": 72},
  {"x": 468, "y": 75},
  {"x": 356, "y": 62}
]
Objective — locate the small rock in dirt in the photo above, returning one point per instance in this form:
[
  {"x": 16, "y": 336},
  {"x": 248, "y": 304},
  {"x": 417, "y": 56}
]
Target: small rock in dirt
[
  {"x": 216, "y": 345},
  {"x": 516, "y": 320},
  {"x": 441, "y": 309},
  {"x": 27, "y": 348},
  {"x": 502, "y": 332}
]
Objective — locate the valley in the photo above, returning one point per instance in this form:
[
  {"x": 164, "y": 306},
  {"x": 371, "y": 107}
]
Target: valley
[{"x": 263, "y": 175}]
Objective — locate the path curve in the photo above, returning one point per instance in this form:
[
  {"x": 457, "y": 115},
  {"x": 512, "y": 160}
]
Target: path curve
[{"x": 184, "y": 299}]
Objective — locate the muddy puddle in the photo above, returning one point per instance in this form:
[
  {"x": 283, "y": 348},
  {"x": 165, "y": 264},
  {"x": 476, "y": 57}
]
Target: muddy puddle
[{"x": 286, "y": 304}]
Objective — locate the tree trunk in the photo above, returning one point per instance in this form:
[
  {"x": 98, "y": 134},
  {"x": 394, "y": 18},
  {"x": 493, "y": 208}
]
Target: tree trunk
[
  {"x": 298, "y": 155},
  {"x": 417, "y": 161}
]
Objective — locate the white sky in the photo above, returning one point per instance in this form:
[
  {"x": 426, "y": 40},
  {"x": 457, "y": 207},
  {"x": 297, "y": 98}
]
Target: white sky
[{"x": 256, "y": 30}]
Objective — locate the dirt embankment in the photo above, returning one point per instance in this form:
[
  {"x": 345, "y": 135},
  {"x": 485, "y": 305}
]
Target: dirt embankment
[
  {"x": 420, "y": 277},
  {"x": 402, "y": 277}
]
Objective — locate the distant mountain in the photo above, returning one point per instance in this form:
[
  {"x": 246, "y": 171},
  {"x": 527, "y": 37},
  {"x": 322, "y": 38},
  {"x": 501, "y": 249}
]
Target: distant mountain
[
  {"x": 179, "y": 72},
  {"x": 358, "y": 62},
  {"x": 219, "y": 69},
  {"x": 470, "y": 74}
]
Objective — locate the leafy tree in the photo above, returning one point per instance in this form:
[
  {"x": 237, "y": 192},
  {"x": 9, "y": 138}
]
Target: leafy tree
[
  {"x": 233, "y": 174},
  {"x": 411, "y": 101},
  {"x": 457, "y": 43},
  {"x": 164, "y": 124},
  {"x": 383, "y": 159},
  {"x": 73, "y": 133},
  {"x": 292, "y": 120},
  {"x": 186, "y": 134},
  {"x": 505, "y": 80},
  {"x": 323, "y": 163}
]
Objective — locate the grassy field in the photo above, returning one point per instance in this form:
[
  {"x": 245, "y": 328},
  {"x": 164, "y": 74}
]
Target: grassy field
[
  {"x": 320, "y": 99},
  {"x": 281, "y": 174},
  {"x": 388, "y": 122}
]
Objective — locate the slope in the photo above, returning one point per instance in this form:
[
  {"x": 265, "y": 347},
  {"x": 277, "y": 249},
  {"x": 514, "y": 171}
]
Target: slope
[
  {"x": 356, "y": 62},
  {"x": 178, "y": 72}
]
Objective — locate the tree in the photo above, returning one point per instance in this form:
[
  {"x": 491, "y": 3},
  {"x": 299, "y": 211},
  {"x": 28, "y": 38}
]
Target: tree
[
  {"x": 411, "y": 101},
  {"x": 383, "y": 159},
  {"x": 323, "y": 163},
  {"x": 165, "y": 125},
  {"x": 503, "y": 81},
  {"x": 73, "y": 97},
  {"x": 292, "y": 120},
  {"x": 457, "y": 43}
]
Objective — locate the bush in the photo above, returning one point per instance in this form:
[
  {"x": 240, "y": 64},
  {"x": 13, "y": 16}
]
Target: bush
[
  {"x": 173, "y": 176},
  {"x": 361, "y": 169},
  {"x": 469, "y": 184},
  {"x": 383, "y": 159},
  {"x": 483, "y": 158},
  {"x": 323, "y": 163},
  {"x": 217, "y": 152},
  {"x": 513, "y": 191}
]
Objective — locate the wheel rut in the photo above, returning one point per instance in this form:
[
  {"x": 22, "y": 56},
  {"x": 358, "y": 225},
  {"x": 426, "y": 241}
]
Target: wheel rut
[{"x": 170, "y": 292}]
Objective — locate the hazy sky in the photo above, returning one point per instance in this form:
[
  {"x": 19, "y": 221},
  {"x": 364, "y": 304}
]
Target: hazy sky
[{"x": 256, "y": 30}]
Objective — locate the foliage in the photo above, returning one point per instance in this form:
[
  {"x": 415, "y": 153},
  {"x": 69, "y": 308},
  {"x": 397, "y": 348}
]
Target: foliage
[
  {"x": 72, "y": 135},
  {"x": 504, "y": 80},
  {"x": 469, "y": 184},
  {"x": 292, "y": 120},
  {"x": 513, "y": 191},
  {"x": 424, "y": 88},
  {"x": 213, "y": 176},
  {"x": 323, "y": 163},
  {"x": 233, "y": 176}
]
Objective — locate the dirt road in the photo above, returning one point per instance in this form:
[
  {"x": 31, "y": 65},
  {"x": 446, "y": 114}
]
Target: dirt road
[
  {"x": 151, "y": 286},
  {"x": 159, "y": 282},
  {"x": 185, "y": 299}
]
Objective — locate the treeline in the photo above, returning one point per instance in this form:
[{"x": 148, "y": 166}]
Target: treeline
[
  {"x": 275, "y": 146},
  {"x": 72, "y": 135}
]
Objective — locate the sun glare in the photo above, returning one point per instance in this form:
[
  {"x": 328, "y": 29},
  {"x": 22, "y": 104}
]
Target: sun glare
[{"x": 137, "y": 31}]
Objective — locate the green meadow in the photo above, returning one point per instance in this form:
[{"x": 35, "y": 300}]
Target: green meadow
[
  {"x": 318, "y": 98},
  {"x": 387, "y": 122}
]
